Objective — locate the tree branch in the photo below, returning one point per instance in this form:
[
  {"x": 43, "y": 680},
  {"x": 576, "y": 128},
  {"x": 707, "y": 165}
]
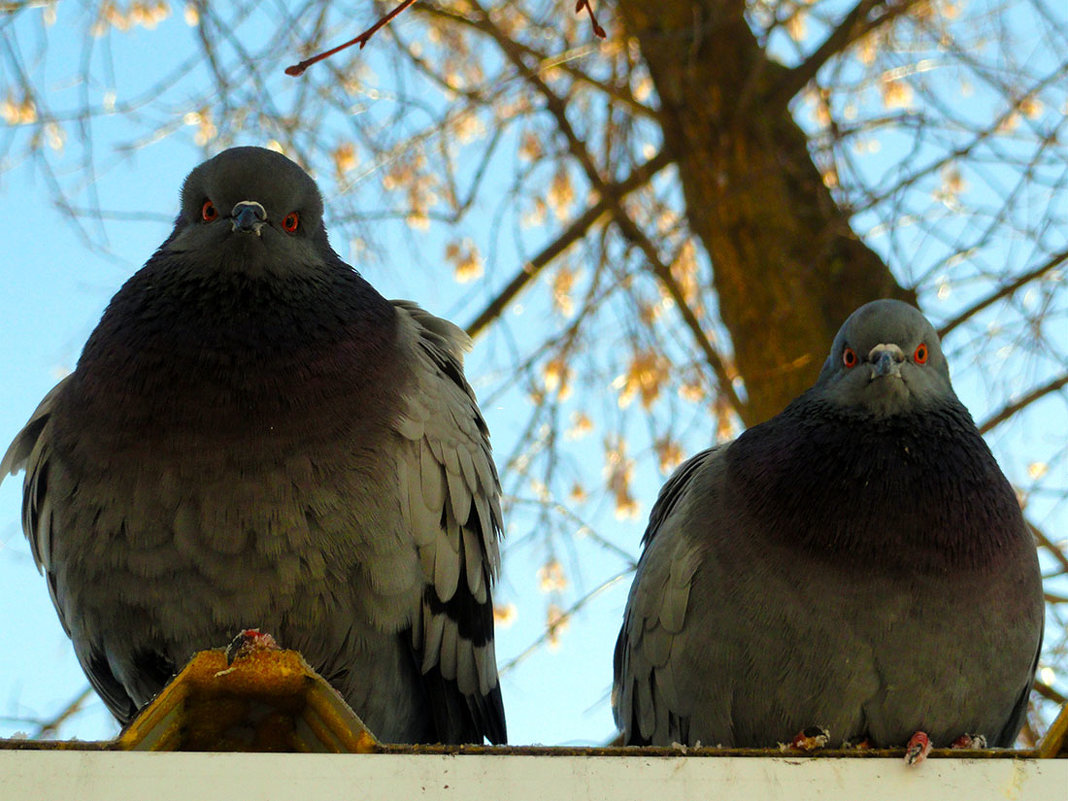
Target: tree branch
[
  {"x": 1046, "y": 691},
  {"x": 1011, "y": 409},
  {"x": 558, "y": 108},
  {"x": 597, "y": 29},
  {"x": 1049, "y": 545},
  {"x": 52, "y": 726},
  {"x": 566, "y": 615},
  {"x": 1005, "y": 291},
  {"x": 663, "y": 272},
  {"x": 574, "y": 232},
  {"x": 560, "y": 61},
  {"x": 298, "y": 69},
  {"x": 855, "y": 25}
]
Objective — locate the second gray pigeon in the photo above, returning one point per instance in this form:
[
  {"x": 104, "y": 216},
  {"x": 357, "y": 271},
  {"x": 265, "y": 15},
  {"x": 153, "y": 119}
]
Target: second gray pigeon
[
  {"x": 858, "y": 563},
  {"x": 255, "y": 437}
]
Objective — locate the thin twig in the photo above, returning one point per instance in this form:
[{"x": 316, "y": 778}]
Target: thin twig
[
  {"x": 574, "y": 232},
  {"x": 1049, "y": 545},
  {"x": 556, "y": 106},
  {"x": 662, "y": 271},
  {"x": 361, "y": 40},
  {"x": 1046, "y": 691},
  {"x": 1029, "y": 398},
  {"x": 561, "y": 621},
  {"x": 52, "y": 726},
  {"x": 597, "y": 29},
  {"x": 566, "y": 61},
  {"x": 858, "y": 23},
  {"x": 1005, "y": 291}
]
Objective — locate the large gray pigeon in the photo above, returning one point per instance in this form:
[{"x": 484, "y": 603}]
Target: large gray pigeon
[
  {"x": 254, "y": 437},
  {"x": 857, "y": 563}
]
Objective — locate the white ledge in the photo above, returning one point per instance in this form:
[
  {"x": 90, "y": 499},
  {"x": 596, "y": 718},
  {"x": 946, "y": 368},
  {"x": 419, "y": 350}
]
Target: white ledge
[{"x": 116, "y": 776}]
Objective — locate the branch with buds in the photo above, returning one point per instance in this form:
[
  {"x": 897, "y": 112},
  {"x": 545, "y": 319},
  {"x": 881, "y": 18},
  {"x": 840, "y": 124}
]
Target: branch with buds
[
  {"x": 361, "y": 40},
  {"x": 597, "y": 29},
  {"x": 297, "y": 70}
]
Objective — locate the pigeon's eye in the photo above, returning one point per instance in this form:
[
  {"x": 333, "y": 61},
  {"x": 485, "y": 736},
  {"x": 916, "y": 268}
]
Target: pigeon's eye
[
  {"x": 920, "y": 356},
  {"x": 290, "y": 222},
  {"x": 849, "y": 358},
  {"x": 208, "y": 212}
]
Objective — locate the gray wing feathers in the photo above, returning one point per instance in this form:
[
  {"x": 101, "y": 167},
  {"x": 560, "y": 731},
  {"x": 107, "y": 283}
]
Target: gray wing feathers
[
  {"x": 433, "y": 489},
  {"x": 31, "y": 451},
  {"x": 447, "y": 656},
  {"x": 647, "y": 694},
  {"x": 453, "y": 499},
  {"x": 658, "y": 614},
  {"x": 447, "y": 561},
  {"x": 433, "y": 632},
  {"x": 473, "y": 566}
]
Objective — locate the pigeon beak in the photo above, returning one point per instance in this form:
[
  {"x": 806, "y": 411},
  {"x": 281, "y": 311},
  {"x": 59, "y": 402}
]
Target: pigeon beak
[
  {"x": 885, "y": 360},
  {"x": 249, "y": 217}
]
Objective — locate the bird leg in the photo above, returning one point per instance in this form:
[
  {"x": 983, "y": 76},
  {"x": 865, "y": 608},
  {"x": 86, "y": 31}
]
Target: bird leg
[
  {"x": 809, "y": 739},
  {"x": 918, "y": 748}
]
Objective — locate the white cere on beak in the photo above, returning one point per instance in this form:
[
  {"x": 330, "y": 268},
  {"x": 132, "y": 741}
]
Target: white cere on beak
[
  {"x": 248, "y": 216},
  {"x": 885, "y": 360}
]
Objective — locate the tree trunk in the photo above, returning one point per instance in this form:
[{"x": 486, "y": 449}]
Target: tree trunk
[{"x": 787, "y": 267}]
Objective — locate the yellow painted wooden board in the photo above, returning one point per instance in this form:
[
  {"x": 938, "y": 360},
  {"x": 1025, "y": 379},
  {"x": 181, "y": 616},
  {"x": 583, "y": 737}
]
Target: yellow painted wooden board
[{"x": 267, "y": 700}]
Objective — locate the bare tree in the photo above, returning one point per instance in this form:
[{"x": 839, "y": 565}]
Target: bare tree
[{"x": 667, "y": 226}]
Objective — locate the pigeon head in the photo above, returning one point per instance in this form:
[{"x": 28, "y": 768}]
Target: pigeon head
[
  {"x": 253, "y": 210},
  {"x": 885, "y": 360}
]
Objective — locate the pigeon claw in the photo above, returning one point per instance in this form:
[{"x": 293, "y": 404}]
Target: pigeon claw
[
  {"x": 247, "y": 642},
  {"x": 969, "y": 741},
  {"x": 810, "y": 739},
  {"x": 918, "y": 748}
]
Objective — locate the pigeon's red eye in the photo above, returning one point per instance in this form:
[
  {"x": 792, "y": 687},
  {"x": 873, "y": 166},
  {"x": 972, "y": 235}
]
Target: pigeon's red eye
[
  {"x": 208, "y": 212},
  {"x": 290, "y": 223},
  {"x": 849, "y": 358},
  {"x": 920, "y": 356}
]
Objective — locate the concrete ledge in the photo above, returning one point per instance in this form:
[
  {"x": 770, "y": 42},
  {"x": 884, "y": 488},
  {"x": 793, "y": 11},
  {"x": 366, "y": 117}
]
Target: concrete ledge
[{"x": 44, "y": 775}]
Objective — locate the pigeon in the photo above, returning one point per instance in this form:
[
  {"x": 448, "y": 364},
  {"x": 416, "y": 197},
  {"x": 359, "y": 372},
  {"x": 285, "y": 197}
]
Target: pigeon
[
  {"x": 254, "y": 437},
  {"x": 854, "y": 571}
]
